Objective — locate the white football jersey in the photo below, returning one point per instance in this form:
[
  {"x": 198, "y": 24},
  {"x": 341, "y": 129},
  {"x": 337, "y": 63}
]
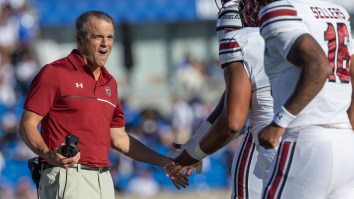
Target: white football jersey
[
  {"x": 247, "y": 45},
  {"x": 282, "y": 22}
]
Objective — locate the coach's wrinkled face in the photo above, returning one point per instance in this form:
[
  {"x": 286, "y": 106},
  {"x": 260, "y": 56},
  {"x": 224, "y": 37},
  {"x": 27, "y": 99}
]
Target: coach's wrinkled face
[{"x": 96, "y": 45}]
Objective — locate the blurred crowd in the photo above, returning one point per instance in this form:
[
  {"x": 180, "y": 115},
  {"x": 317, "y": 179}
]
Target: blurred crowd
[{"x": 19, "y": 30}]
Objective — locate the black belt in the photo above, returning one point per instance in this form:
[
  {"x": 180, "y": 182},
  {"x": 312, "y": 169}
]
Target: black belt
[{"x": 99, "y": 169}]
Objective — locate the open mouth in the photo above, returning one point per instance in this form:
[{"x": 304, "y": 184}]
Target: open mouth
[{"x": 102, "y": 52}]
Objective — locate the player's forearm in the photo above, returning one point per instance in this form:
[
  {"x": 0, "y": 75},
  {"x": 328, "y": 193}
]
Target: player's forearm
[
  {"x": 220, "y": 134},
  {"x": 236, "y": 100},
  {"x": 217, "y": 110},
  {"x": 307, "y": 54},
  {"x": 206, "y": 125}
]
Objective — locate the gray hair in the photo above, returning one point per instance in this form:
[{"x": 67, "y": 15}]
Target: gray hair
[{"x": 81, "y": 21}]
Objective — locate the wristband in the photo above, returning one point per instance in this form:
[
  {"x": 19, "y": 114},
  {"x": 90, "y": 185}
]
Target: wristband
[
  {"x": 196, "y": 152},
  {"x": 198, "y": 135},
  {"x": 283, "y": 118}
]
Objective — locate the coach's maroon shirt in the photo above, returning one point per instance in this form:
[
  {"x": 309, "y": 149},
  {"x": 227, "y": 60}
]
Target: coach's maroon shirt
[{"x": 66, "y": 94}]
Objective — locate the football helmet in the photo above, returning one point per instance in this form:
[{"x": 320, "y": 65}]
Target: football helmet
[
  {"x": 249, "y": 10},
  {"x": 221, "y": 2},
  {"x": 228, "y": 18}
]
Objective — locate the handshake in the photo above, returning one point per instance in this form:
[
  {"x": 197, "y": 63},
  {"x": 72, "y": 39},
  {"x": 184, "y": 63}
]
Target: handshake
[{"x": 180, "y": 168}]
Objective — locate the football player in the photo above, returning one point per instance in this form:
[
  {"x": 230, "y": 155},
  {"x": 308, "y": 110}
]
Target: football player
[
  {"x": 247, "y": 93},
  {"x": 309, "y": 61}
]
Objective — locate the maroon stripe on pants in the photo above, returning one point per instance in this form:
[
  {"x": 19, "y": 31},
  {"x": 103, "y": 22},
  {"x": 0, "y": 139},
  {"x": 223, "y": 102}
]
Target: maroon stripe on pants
[
  {"x": 242, "y": 181},
  {"x": 280, "y": 172}
]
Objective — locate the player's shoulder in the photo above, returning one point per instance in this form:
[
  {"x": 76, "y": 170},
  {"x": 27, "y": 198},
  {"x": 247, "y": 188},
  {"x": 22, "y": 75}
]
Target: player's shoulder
[
  {"x": 230, "y": 47},
  {"x": 292, "y": 7},
  {"x": 292, "y": 14},
  {"x": 280, "y": 4},
  {"x": 241, "y": 35},
  {"x": 280, "y": 16},
  {"x": 249, "y": 31},
  {"x": 277, "y": 10}
]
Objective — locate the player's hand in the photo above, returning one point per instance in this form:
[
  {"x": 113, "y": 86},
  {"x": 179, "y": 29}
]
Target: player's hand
[
  {"x": 183, "y": 170},
  {"x": 269, "y": 137},
  {"x": 184, "y": 165},
  {"x": 181, "y": 147},
  {"x": 178, "y": 181},
  {"x": 55, "y": 158}
]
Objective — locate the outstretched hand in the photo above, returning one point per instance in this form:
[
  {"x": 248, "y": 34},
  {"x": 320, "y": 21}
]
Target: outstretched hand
[
  {"x": 184, "y": 171},
  {"x": 178, "y": 181},
  {"x": 198, "y": 167},
  {"x": 182, "y": 167}
]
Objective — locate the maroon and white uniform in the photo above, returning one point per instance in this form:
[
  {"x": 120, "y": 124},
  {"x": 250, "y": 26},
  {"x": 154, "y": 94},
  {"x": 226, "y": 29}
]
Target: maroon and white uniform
[
  {"x": 247, "y": 45},
  {"x": 315, "y": 158}
]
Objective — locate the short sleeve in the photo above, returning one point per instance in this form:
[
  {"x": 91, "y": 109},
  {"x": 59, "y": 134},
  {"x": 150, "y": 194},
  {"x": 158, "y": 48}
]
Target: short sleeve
[
  {"x": 44, "y": 91},
  {"x": 118, "y": 117},
  {"x": 281, "y": 26},
  {"x": 229, "y": 50}
]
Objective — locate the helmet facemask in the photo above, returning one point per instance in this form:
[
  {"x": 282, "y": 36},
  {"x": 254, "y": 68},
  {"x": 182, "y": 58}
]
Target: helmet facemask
[
  {"x": 220, "y": 3},
  {"x": 249, "y": 10}
]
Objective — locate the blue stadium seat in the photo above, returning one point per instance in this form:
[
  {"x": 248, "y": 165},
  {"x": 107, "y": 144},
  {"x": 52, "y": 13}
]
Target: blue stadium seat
[{"x": 14, "y": 170}]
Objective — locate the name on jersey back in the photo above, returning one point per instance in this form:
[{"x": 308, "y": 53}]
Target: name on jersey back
[{"x": 327, "y": 13}]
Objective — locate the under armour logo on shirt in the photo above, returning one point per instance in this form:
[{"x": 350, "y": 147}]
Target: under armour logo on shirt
[{"x": 79, "y": 85}]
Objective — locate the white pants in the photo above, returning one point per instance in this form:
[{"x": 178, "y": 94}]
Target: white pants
[
  {"x": 74, "y": 183},
  {"x": 245, "y": 185},
  {"x": 313, "y": 163}
]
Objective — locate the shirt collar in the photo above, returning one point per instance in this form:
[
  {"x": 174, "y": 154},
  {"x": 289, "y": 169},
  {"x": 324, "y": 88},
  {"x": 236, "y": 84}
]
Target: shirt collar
[
  {"x": 76, "y": 60},
  {"x": 78, "y": 63}
]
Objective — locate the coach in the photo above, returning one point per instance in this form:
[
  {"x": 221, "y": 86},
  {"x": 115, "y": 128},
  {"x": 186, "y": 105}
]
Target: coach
[{"x": 77, "y": 95}]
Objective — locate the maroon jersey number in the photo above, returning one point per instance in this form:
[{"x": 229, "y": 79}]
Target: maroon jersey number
[{"x": 338, "y": 54}]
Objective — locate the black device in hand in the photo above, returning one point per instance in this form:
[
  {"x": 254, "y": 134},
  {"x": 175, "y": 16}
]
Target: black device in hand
[{"x": 70, "y": 149}]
